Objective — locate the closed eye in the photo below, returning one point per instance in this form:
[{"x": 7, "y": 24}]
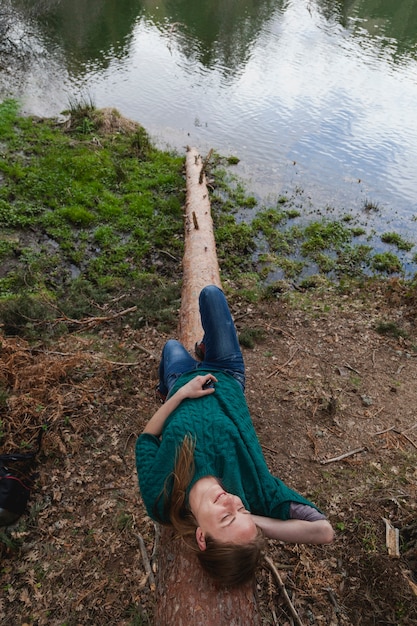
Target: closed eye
[{"x": 228, "y": 517}]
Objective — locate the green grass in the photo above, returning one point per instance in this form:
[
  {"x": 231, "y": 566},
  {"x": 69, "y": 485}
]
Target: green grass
[
  {"x": 89, "y": 204},
  {"x": 88, "y": 216},
  {"x": 396, "y": 240}
]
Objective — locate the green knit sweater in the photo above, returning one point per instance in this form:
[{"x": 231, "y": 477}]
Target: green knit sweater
[{"x": 227, "y": 447}]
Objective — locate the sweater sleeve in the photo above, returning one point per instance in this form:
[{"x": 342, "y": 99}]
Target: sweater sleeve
[{"x": 151, "y": 482}]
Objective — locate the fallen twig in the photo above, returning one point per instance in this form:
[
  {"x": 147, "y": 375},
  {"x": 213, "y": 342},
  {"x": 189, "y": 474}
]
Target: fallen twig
[
  {"x": 283, "y": 590},
  {"x": 278, "y": 329},
  {"x": 333, "y": 600},
  {"x": 352, "y": 369},
  {"x": 406, "y": 437},
  {"x": 146, "y": 562},
  {"x": 171, "y": 256},
  {"x": 88, "y": 322},
  {"x": 269, "y": 449},
  {"x": 397, "y": 432},
  {"x": 96, "y": 357},
  {"x": 280, "y": 367},
  {"x": 382, "y": 432},
  {"x": 392, "y": 539},
  {"x": 343, "y": 456},
  {"x": 154, "y": 555}
]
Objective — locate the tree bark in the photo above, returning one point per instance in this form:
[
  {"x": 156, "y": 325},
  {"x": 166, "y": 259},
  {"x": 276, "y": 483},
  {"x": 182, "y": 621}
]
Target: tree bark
[
  {"x": 185, "y": 596},
  {"x": 200, "y": 265}
]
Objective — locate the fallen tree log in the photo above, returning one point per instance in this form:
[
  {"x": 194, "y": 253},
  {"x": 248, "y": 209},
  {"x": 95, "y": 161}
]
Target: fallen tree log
[
  {"x": 200, "y": 265},
  {"x": 185, "y": 596}
]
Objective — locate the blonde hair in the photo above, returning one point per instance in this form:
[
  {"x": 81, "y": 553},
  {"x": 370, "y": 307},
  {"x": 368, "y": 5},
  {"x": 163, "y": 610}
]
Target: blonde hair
[{"x": 228, "y": 564}]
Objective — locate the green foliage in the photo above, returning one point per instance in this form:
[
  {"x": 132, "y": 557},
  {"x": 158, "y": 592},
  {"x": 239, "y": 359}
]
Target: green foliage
[
  {"x": 22, "y": 315},
  {"x": 398, "y": 241},
  {"x": 235, "y": 244},
  {"x": 325, "y": 236},
  {"x": 16, "y": 214},
  {"x": 351, "y": 260},
  {"x": 78, "y": 216},
  {"x": 370, "y": 206},
  {"x": 268, "y": 219},
  {"x": 140, "y": 144},
  {"x": 248, "y": 337},
  {"x": 390, "y": 329},
  {"x": 8, "y": 113},
  {"x": 292, "y": 268},
  {"x": 82, "y": 115},
  {"x": 106, "y": 210},
  {"x": 386, "y": 262}
]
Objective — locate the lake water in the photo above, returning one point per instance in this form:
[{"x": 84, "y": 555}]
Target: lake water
[{"x": 316, "y": 98}]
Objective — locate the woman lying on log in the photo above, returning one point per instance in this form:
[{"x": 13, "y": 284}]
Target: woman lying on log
[{"x": 200, "y": 465}]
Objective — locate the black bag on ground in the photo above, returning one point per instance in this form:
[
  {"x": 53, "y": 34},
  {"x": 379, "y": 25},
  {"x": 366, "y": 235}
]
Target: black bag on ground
[
  {"x": 14, "y": 496},
  {"x": 16, "y": 481}
]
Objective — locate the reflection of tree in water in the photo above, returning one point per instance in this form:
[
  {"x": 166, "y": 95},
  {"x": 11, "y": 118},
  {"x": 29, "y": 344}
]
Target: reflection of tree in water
[
  {"x": 99, "y": 30},
  {"x": 26, "y": 65},
  {"x": 14, "y": 46},
  {"x": 87, "y": 32},
  {"x": 214, "y": 32},
  {"x": 217, "y": 32},
  {"x": 392, "y": 23}
]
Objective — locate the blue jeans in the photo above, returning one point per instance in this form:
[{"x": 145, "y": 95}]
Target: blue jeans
[{"x": 222, "y": 349}]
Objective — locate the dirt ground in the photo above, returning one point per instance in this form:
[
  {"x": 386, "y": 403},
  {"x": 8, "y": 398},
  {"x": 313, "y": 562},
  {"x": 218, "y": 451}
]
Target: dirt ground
[{"x": 334, "y": 403}]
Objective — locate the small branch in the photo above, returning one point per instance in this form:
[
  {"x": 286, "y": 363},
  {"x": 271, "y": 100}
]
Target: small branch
[
  {"x": 146, "y": 563},
  {"x": 88, "y": 322},
  {"x": 171, "y": 256},
  {"x": 155, "y": 550},
  {"x": 270, "y": 449},
  {"x": 95, "y": 357},
  {"x": 352, "y": 369},
  {"x": 397, "y": 432},
  {"x": 281, "y": 367},
  {"x": 382, "y": 432},
  {"x": 406, "y": 437},
  {"x": 343, "y": 456},
  {"x": 333, "y": 600},
  {"x": 283, "y": 591},
  {"x": 392, "y": 539}
]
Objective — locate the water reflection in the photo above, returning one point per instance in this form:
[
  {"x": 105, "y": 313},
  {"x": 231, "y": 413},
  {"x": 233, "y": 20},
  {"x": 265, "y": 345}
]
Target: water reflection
[
  {"x": 316, "y": 95},
  {"x": 391, "y": 22},
  {"x": 221, "y": 32},
  {"x": 89, "y": 34}
]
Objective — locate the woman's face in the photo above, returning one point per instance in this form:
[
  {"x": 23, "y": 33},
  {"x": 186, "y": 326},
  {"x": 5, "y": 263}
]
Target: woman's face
[{"x": 221, "y": 515}]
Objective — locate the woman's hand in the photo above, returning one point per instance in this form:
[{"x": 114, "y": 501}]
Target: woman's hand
[
  {"x": 198, "y": 386},
  {"x": 195, "y": 388}
]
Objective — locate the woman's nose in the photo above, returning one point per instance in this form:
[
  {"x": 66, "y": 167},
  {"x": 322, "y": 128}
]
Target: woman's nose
[
  {"x": 228, "y": 499},
  {"x": 235, "y": 502}
]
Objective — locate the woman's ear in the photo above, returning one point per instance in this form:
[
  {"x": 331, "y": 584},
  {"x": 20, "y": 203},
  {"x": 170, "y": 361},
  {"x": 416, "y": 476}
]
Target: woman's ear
[{"x": 201, "y": 540}]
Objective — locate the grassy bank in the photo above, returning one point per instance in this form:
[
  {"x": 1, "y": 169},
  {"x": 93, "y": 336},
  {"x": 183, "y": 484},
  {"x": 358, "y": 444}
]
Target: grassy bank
[{"x": 92, "y": 223}]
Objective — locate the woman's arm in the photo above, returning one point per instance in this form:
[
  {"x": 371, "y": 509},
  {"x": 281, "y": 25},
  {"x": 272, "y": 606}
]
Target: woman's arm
[
  {"x": 192, "y": 389},
  {"x": 296, "y": 530}
]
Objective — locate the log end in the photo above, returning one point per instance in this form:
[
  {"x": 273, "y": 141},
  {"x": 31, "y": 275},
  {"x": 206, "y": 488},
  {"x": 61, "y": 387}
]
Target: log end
[{"x": 187, "y": 596}]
